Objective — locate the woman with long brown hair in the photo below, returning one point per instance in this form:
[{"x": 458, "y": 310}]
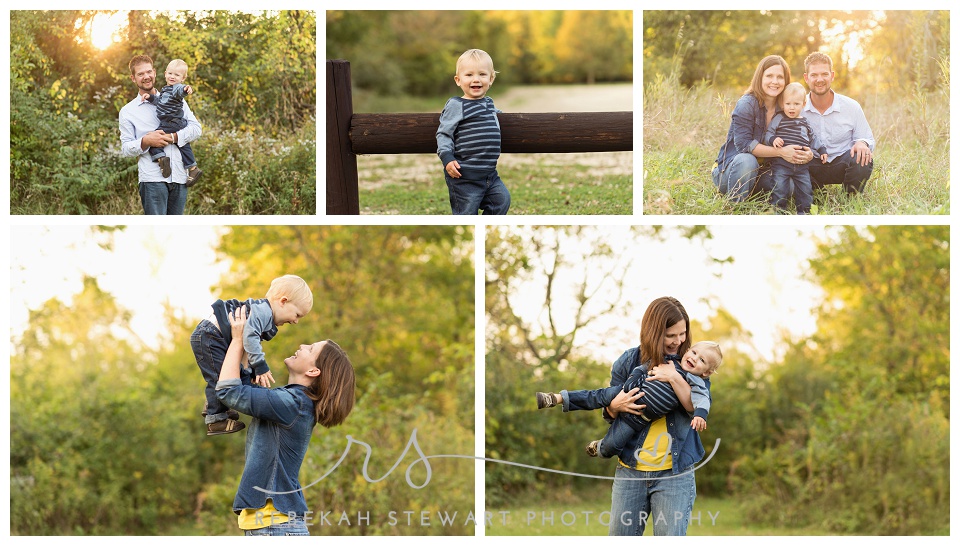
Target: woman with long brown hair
[
  {"x": 655, "y": 475},
  {"x": 738, "y": 172},
  {"x": 321, "y": 390}
]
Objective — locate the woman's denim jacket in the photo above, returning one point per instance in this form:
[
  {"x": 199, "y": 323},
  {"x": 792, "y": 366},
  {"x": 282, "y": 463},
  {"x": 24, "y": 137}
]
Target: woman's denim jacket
[
  {"x": 748, "y": 123},
  {"x": 277, "y": 440},
  {"x": 685, "y": 445}
]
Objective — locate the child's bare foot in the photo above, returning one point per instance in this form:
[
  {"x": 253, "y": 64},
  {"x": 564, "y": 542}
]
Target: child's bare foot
[{"x": 548, "y": 400}]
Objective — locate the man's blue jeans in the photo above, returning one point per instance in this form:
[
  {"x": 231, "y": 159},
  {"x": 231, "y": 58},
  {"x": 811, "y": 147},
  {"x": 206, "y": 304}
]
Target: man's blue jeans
[
  {"x": 163, "y": 198},
  {"x": 468, "y": 197},
  {"x": 842, "y": 170},
  {"x": 664, "y": 497},
  {"x": 742, "y": 177},
  {"x": 297, "y": 526}
]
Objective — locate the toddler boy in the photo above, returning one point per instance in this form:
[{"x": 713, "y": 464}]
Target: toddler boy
[
  {"x": 785, "y": 129},
  {"x": 468, "y": 140},
  {"x": 169, "y": 103},
  {"x": 287, "y": 301},
  {"x": 696, "y": 366}
]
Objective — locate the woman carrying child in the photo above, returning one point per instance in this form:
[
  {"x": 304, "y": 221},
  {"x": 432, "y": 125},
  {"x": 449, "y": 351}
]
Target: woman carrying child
[
  {"x": 737, "y": 172},
  {"x": 321, "y": 390},
  {"x": 660, "y": 483}
]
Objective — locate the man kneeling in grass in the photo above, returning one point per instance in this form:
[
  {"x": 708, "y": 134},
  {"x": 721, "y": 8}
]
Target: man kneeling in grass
[{"x": 839, "y": 122}]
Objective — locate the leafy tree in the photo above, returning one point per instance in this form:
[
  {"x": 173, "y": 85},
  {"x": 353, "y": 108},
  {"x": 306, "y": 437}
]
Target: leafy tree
[
  {"x": 87, "y": 407},
  {"x": 255, "y": 75},
  {"x": 857, "y": 435},
  {"x": 724, "y": 47},
  {"x": 886, "y": 314},
  {"x": 590, "y": 46},
  {"x": 416, "y": 52}
]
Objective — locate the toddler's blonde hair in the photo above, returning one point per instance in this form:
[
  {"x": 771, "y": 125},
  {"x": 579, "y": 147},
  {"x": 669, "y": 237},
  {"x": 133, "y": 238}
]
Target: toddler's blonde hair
[
  {"x": 795, "y": 88},
  {"x": 481, "y": 57},
  {"x": 179, "y": 63},
  {"x": 294, "y": 288}
]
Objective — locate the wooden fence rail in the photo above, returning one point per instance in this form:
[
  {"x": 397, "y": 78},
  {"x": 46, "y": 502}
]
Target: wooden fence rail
[{"x": 349, "y": 134}]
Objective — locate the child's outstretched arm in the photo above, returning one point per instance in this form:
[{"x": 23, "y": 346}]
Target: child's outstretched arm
[{"x": 181, "y": 90}]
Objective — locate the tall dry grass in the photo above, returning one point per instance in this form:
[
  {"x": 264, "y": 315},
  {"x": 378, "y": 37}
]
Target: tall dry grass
[{"x": 683, "y": 129}]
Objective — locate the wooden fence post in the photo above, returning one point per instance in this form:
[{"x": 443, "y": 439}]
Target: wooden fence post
[{"x": 343, "y": 187}]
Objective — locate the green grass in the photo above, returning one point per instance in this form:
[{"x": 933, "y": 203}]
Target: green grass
[
  {"x": 531, "y": 517},
  {"x": 539, "y": 184},
  {"x": 369, "y": 101},
  {"x": 683, "y": 129}
]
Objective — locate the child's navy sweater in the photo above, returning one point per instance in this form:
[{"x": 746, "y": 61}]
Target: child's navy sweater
[{"x": 470, "y": 134}]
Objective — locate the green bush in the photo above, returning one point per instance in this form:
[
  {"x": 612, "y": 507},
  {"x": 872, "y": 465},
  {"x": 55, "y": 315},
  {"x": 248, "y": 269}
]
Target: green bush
[
  {"x": 248, "y": 173},
  {"x": 880, "y": 469}
]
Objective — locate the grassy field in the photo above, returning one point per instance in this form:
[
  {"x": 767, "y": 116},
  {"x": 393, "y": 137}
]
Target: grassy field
[
  {"x": 599, "y": 183},
  {"x": 561, "y": 184},
  {"x": 683, "y": 130},
  {"x": 532, "y": 517}
]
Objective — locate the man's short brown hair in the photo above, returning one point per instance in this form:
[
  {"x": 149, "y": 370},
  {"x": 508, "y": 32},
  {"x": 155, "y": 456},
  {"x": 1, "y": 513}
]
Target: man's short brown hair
[
  {"x": 817, "y": 58},
  {"x": 138, "y": 60}
]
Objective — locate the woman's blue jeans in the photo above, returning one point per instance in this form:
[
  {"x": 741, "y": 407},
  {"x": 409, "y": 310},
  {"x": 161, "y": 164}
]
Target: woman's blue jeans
[
  {"x": 742, "y": 176},
  {"x": 295, "y": 527},
  {"x": 664, "y": 497}
]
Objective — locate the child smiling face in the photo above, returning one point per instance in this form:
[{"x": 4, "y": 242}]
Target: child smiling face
[
  {"x": 474, "y": 76},
  {"x": 176, "y": 72},
  {"x": 701, "y": 359}
]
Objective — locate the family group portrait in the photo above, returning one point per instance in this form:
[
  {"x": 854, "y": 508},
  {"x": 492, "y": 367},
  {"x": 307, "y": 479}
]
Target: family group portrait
[
  {"x": 479, "y": 112},
  {"x": 733, "y": 386},
  {"x": 162, "y": 112},
  {"x": 796, "y": 112}
]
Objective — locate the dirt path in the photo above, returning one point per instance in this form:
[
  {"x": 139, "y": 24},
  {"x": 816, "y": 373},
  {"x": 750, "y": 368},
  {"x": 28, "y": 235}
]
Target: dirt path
[{"x": 566, "y": 98}]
